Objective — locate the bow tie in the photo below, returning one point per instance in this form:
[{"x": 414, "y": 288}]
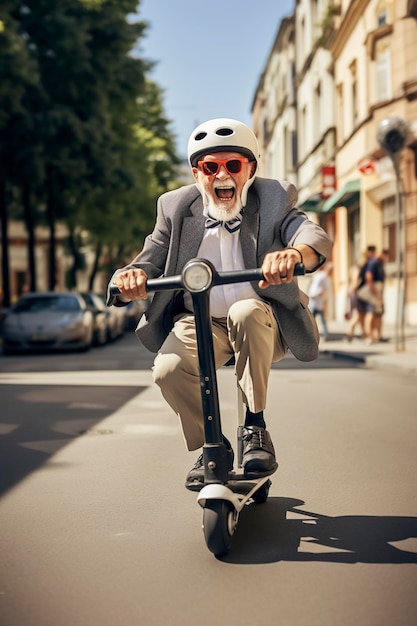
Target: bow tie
[{"x": 232, "y": 225}]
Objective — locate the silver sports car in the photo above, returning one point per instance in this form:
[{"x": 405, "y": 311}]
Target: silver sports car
[{"x": 48, "y": 321}]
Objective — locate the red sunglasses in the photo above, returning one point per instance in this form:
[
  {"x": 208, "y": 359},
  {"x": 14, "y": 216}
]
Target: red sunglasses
[{"x": 233, "y": 166}]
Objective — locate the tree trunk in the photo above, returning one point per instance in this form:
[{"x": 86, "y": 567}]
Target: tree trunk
[
  {"x": 72, "y": 272},
  {"x": 95, "y": 265},
  {"x": 30, "y": 228},
  {"x": 51, "y": 223},
  {"x": 5, "y": 266}
]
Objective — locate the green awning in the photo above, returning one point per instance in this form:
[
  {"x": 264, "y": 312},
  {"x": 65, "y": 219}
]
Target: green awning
[
  {"x": 313, "y": 203},
  {"x": 348, "y": 195}
]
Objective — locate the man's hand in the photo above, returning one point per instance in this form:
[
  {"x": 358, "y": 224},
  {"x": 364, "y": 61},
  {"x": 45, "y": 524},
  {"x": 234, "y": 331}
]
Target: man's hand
[
  {"x": 132, "y": 285},
  {"x": 278, "y": 267}
]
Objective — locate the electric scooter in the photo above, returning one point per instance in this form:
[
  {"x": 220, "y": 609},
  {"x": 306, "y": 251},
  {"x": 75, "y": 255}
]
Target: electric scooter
[{"x": 224, "y": 493}]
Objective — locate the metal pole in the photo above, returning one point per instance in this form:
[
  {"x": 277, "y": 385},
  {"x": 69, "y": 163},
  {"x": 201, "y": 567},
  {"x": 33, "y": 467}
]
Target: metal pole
[
  {"x": 394, "y": 135},
  {"x": 401, "y": 269}
]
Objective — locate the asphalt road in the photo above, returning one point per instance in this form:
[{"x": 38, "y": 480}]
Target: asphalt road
[{"x": 97, "y": 528}]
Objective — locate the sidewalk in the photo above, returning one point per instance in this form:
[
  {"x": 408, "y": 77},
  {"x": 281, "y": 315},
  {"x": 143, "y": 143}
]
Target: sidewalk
[{"x": 383, "y": 355}]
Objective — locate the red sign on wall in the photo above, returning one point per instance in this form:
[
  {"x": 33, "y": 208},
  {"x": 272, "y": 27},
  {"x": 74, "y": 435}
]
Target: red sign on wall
[
  {"x": 328, "y": 181},
  {"x": 366, "y": 166}
]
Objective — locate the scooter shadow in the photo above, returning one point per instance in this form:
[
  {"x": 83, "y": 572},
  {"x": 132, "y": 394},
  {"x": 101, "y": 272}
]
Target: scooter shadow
[{"x": 280, "y": 530}]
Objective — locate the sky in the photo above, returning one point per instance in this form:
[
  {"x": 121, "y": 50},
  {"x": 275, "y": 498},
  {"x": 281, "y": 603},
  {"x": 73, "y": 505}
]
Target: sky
[{"x": 209, "y": 56}]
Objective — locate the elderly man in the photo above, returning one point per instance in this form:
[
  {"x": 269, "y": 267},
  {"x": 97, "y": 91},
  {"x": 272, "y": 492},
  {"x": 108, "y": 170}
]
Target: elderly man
[{"x": 235, "y": 220}]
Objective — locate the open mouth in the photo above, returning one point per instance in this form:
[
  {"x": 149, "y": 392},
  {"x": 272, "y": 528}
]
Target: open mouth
[{"x": 225, "y": 193}]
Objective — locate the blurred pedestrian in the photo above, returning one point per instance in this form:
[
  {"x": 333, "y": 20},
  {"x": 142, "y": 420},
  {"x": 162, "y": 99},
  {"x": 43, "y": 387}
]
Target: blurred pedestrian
[
  {"x": 369, "y": 294},
  {"x": 355, "y": 313},
  {"x": 318, "y": 294},
  {"x": 378, "y": 314}
]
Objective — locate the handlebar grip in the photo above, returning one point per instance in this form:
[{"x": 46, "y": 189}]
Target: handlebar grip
[
  {"x": 299, "y": 269},
  {"x": 165, "y": 283},
  {"x": 243, "y": 276}
]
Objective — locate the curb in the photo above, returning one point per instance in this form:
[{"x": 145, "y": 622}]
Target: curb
[
  {"x": 405, "y": 363},
  {"x": 340, "y": 354}
]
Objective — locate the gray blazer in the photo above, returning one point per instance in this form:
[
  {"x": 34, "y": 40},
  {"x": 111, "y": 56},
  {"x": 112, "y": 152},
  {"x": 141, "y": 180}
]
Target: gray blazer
[{"x": 270, "y": 223}]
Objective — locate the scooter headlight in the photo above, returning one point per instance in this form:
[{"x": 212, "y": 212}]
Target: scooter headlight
[{"x": 197, "y": 276}]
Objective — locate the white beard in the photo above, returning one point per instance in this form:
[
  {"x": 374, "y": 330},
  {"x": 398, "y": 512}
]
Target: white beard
[{"x": 222, "y": 211}]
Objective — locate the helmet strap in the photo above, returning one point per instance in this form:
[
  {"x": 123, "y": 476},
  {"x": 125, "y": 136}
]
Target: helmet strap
[
  {"x": 245, "y": 189},
  {"x": 203, "y": 193}
]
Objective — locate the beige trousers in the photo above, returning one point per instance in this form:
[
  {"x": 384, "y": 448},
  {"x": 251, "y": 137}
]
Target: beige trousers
[{"x": 250, "y": 333}]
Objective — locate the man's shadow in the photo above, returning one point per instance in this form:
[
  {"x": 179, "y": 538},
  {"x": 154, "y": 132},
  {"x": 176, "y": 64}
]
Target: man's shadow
[{"x": 280, "y": 530}]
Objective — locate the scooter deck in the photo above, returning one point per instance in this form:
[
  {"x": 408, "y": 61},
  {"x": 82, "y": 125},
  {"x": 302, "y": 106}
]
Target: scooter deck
[{"x": 238, "y": 481}]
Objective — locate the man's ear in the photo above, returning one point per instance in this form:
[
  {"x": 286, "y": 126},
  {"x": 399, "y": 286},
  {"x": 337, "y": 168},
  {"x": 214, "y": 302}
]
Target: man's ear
[{"x": 195, "y": 173}]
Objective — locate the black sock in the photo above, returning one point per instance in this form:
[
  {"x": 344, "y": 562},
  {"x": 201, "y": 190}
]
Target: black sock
[{"x": 255, "y": 419}]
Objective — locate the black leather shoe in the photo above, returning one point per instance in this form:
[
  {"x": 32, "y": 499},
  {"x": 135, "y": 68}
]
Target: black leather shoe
[
  {"x": 258, "y": 451},
  {"x": 196, "y": 474}
]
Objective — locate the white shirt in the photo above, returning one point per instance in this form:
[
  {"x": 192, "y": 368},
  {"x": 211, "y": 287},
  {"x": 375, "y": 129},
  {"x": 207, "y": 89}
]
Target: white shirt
[
  {"x": 318, "y": 290},
  {"x": 224, "y": 250}
]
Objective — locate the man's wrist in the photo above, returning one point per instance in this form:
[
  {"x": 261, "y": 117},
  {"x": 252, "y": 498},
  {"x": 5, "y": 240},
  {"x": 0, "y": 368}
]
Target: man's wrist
[{"x": 299, "y": 252}]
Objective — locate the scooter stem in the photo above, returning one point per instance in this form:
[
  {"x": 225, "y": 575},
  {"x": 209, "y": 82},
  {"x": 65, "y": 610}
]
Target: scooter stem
[{"x": 214, "y": 450}]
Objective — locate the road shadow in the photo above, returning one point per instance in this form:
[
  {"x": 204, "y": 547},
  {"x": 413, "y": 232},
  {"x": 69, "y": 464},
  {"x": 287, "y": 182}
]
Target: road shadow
[
  {"x": 327, "y": 359},
  {"x": 38, "y": 420},
  {"x": 281, "y": 530}
]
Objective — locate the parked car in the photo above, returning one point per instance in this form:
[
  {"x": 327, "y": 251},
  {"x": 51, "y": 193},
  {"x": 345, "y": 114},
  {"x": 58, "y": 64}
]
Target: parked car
[
  {"x": 48, "y": 321},
  {"x": 133, "y": 312},
  {"x": 116, "y": 320},
  {"x": 96, "y": 305}
]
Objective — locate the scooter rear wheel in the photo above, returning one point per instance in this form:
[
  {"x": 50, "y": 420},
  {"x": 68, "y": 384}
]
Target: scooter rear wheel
[{"x": 219, "y": 525}]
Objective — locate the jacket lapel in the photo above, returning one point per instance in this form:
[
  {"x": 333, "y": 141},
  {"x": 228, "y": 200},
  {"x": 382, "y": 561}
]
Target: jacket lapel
[
  {"x": 249, "y": 233},
  {"x": 191, "y": 234}
]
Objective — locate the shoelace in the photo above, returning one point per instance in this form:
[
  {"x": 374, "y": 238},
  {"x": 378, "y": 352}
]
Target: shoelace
[
  {"x": 199, "y": 463},
  {"x": 256, "y": 436}
]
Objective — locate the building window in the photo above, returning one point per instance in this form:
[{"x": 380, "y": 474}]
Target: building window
[
  {"x": 354, "y": 94},
  {"x": 382, "y": 13},
  {"x": 290, "y": 82},
  {"x": 382, "y": 17},
  {"x": 315, "y": 19},
  {"x": 340, "y": 113},
  {"x": 294, "y": 149},
  {"x": 301, "y": 41},
  {"x": 302, "y": 136},
  {"x": 383, "y": 72},
  {"x": 317, "y": 112}
]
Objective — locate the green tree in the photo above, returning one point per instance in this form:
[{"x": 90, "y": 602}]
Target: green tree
[
  {"x": 93, "y": 145},
  {"x": 117, "y": 220},
  {"x": 19, "y": 149}
]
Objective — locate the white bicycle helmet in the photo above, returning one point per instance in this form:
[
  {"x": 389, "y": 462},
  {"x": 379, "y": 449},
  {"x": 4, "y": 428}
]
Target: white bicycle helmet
[
  {"x": 223, "y": 134},
  {"x": 219, "y": 135}
]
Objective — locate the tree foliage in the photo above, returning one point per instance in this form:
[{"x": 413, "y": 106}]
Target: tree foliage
[{"x": 83, "y": 135}]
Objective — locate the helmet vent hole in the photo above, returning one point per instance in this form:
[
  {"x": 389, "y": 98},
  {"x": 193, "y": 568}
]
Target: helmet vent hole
[
  {"x": 200, "y": 136},
  {"x": 224, "y": 132}
]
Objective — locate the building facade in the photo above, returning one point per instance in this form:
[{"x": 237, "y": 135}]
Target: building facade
[{"x": 355, "y": 65}]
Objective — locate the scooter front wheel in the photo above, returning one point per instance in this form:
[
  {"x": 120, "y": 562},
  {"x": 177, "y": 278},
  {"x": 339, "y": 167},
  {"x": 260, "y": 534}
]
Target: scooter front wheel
[{"x": 219, "y": 522}]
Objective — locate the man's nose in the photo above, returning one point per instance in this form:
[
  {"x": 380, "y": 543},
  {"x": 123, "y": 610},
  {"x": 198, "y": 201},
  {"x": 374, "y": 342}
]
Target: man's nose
[{"x": 222, "y": 173}]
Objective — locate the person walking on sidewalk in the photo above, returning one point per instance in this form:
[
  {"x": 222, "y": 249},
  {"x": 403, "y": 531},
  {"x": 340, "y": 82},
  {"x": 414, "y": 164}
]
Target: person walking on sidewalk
[
  {"x": 236, "y": 220},
  {"x": 318, "y": 294},
  {"x": 378, "y": 315},
  {"x": 370, "y": 294},
  {"x": 356, "y": 310}
]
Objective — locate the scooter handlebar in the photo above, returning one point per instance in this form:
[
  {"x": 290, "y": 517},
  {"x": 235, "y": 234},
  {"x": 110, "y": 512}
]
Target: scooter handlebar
[
  {"x": 242, "y": 276},
  {"x": 166, "y": 283}
]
